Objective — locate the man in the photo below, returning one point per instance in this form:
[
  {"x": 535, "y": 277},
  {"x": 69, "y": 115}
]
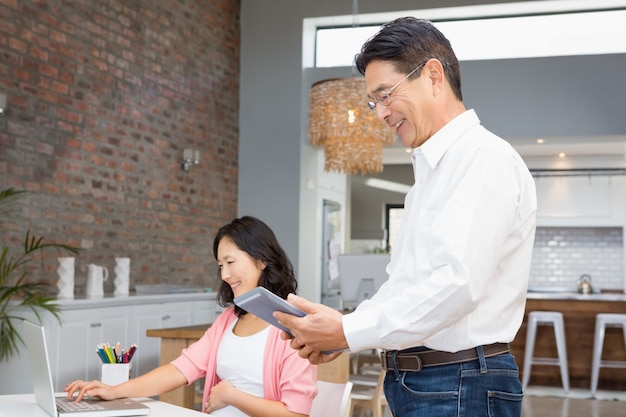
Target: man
[{"x": 459, "y": 268}]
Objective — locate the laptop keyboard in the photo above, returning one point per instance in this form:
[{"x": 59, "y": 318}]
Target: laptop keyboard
[{"x": 71, "y": 405}]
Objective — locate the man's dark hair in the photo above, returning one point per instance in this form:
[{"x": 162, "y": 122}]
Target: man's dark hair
[{"x": 407, "y": 42}]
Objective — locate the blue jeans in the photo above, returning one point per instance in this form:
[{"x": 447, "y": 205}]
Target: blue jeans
[{"x": 485, "y": 387}]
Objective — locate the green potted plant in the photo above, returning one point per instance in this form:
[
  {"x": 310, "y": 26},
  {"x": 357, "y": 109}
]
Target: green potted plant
[{"x": 16, "y": 290}]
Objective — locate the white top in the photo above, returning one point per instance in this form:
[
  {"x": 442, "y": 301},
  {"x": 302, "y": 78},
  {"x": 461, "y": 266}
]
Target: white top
[
  {"x": 240, "y": 361},
  {"x": 460, "y": 265}
]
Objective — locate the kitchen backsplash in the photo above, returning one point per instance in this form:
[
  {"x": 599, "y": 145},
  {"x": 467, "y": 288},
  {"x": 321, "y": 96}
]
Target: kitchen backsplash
[{"x": 562, "y": 254}]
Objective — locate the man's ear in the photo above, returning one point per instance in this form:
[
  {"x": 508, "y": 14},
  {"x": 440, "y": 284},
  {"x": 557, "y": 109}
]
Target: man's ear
[{"x": 435, "y": 72}]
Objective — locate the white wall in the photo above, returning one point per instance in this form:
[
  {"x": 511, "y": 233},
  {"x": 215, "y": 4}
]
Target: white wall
[{"x": 274, "y": 155}]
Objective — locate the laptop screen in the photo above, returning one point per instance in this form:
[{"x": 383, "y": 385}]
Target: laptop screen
[{"x": 35, "y": 340}]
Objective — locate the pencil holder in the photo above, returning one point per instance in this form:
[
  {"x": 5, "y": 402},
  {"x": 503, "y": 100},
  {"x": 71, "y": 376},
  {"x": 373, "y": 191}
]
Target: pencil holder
[{"x": 115, "y": 373}]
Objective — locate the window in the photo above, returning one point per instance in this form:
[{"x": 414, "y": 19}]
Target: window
[
  {"x": 480, "y": 32},
  {"x": 587, "y": 32}
]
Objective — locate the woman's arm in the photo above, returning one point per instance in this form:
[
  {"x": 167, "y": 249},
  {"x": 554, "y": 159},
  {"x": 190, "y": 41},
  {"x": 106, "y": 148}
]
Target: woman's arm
[
  {"x": 224, "y": 394},
  {"x": 158, "y": 381}
]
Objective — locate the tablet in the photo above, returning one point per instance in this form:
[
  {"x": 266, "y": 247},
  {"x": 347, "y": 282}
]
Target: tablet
[{"x": 263, "y": 303}]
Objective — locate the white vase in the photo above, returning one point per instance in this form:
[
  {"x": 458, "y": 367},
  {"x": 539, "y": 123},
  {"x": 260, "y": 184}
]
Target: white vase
[
  {"x": 122, "y": 277},
  {"x": 66, "y": 277}
]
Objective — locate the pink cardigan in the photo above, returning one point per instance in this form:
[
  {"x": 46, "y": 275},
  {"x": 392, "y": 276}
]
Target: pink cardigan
[{"x": 287, "y": 377}]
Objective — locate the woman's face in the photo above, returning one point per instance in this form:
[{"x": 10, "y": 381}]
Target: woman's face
[{"x": 238, "y": 269}]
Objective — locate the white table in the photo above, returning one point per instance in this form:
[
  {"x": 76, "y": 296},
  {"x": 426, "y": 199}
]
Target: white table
[{"x": 20, "y": 405}]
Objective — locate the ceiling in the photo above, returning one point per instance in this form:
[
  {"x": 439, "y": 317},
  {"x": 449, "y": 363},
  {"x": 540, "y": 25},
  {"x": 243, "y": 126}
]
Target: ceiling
[
  {"x": 584, "y": 152},
  {"x": 614, "y": 146}
]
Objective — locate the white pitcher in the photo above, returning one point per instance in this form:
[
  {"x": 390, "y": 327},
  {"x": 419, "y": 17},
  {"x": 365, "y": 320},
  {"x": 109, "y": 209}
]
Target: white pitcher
[{"x": 96, "y": 275}]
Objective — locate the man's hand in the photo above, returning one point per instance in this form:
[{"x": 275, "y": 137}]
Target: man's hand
[{"x": 319, "y": 331}]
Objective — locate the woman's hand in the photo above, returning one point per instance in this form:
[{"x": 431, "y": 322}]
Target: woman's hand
[
  {"x": 156, "y": 382},
  {"x": 93, "y": 388},
  {"x": 221, "y": 395}
]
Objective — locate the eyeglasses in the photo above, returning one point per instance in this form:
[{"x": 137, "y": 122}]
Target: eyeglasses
[{"x": 385, "y": 97}]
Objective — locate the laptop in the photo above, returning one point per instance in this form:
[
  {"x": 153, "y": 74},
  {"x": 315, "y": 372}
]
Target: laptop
[{"x": 34, "y": 338}]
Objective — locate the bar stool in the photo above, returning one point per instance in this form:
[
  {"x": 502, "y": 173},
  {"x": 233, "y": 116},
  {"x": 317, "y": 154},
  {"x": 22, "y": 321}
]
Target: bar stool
[
  {"x": 603, "y": 321},
  {"x": 549, "y": 318}
]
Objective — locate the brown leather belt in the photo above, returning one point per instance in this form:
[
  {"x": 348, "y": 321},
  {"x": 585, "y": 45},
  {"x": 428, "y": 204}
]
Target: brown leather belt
[{"x": 414, "y": 361}]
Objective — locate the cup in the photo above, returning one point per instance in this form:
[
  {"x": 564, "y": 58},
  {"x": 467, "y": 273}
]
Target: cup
[
  {"x": 122, "y": 277},
  {"x": 115, "y": 373},
  {"x": 96, "y": 275},
  {"x": 66, "y": 277}
]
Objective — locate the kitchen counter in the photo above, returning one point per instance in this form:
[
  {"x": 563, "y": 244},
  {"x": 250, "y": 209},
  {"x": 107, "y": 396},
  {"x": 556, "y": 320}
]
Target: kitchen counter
[
  {"x": 579, "y": 314},
  {"x": 133, "y": 299},
  {"x": 573, "y": 295},
  {"x": 173, "y": 341}
]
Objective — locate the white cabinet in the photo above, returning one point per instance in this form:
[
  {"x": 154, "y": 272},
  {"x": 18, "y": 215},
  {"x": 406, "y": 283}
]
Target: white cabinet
[
  {"x": 155, "y": 316},
  {"x": 82, "y": 331},
  {"x": 588, "y": 201},
  {"x": 205, "y": 311},
  {"x": 161, "y": 316},
  {"x": 87, "y": 323}
]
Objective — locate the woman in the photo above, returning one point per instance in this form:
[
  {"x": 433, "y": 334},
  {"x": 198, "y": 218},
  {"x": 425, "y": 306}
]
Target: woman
[{"x": 248, "y": 369}]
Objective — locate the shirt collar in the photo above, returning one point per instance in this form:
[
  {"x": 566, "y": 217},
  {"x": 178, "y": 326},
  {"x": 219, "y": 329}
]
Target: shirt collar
[{"x": 437, "y": 145}]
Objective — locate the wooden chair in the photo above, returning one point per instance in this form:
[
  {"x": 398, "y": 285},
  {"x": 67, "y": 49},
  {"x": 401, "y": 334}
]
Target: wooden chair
[
  {"x": 365, "y": 368},
  {"x": 366, "y": 397},
  {"x": 365, "y": 362}
]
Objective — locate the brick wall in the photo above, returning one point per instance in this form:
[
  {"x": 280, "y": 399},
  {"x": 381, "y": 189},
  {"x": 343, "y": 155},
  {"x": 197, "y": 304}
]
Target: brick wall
[{"x": 103, "y": 96}]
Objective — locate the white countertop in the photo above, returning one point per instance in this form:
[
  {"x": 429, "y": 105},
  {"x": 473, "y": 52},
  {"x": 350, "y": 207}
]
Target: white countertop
[
  {"x": 566, "y": 295},
  {"x": 133, "y": 299},
  {"x": 20, "y": 405}
]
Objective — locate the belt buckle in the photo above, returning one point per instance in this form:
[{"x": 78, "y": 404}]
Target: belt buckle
[
  {"x": 389, "y": 366},
  {"x": 418, "y": 359}
]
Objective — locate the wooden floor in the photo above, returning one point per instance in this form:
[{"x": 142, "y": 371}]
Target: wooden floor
[
  {"x": 571, "y": 407},
  {"x": 552, "y": 402}
]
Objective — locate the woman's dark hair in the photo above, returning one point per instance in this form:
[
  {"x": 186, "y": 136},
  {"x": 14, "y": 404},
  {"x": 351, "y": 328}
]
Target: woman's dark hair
[
  {"x": 255, "y": 238},
  {"x": 407, "y": 42}
]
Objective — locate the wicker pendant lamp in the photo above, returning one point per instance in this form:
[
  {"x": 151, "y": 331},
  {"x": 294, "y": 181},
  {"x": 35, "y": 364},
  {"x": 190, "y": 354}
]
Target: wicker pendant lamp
[
  {"x": 339, "y": 120},
  {"x": 351, "y": 134}
]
